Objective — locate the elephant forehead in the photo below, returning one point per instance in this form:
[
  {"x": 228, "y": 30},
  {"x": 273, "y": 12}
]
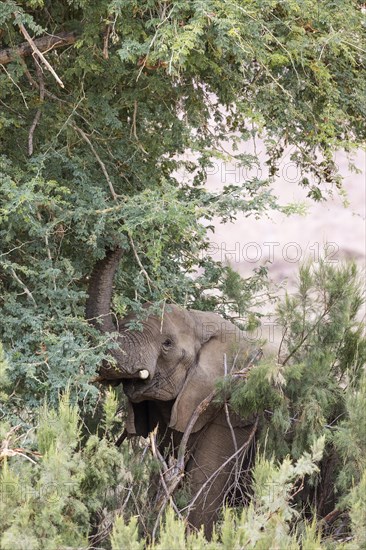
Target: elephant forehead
[{"x": 173, "y": 320}]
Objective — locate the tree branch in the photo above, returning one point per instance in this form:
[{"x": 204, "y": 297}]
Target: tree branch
[
  {"x": 40, "y": 54},
  {"x": 25, "y": 288},
  {"x": 241, "y": 449},
  {"x": 42, "y": 44},
  {"x": 39, "y": 112},
  {"x": 148, "y": 280},
  {"x": 100, "y": 162}
]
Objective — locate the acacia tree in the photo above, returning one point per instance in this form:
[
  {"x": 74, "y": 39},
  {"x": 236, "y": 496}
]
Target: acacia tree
[{"x": 99, "y": 100}]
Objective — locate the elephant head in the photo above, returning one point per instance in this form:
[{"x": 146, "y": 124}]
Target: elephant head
[{"x": 176, "y": 357}]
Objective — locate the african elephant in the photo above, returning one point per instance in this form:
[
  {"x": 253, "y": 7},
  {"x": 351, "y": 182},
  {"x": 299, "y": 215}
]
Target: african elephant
[{"x": 167, "y": 370}]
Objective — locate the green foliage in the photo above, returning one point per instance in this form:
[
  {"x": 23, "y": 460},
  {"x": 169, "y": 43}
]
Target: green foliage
[
  {"x": 41, "y": 505},
  {"x": 315, "y": 386},
  {"x": 61, "y": 426},
  {"x": 52, "y": 484},
  {"x": 99, "y": 162},
  {"x": 350, "y": 438},
  {"x": 357, "y": 512},
  {"x": 111, "y": 406},
  {"x": 302, "y": 391},
  {"x": 264, "y": 524},
  {"x": 126, "y": 536}
]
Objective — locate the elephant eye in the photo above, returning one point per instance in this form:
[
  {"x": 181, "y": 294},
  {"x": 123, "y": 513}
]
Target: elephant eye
[{"x": 167, "y": 344}]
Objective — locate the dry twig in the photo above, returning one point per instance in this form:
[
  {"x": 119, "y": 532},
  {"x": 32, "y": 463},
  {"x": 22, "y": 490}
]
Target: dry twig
[
  {"x": 40, "y": 54},
  {"x": 6, "y": 451}
]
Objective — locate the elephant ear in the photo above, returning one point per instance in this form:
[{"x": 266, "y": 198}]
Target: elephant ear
[{"x": 199, "y": 383}]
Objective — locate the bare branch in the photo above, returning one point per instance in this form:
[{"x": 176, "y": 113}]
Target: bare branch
[
  {"x": 133, "y": 131},
  {"x": 42, "y": 44},
  {"x": 187, "y": 432},
  {"x": 39, "y": 54},
  {"x": 6, "y": 451},
  {"x": 31, "y": 132},
  {"x": 106, "y": 41},
  {"x": 242, "y": 448},
  {"x": 24, "y": 287}
]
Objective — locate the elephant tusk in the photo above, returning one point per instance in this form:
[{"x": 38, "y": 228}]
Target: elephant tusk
[{"x": 144, "y": 374}]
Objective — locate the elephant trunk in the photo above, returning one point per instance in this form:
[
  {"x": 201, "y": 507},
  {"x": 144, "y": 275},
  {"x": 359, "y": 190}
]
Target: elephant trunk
[
  {"x": 98, "y": 313},
  {"x": 98, "y": 305}
]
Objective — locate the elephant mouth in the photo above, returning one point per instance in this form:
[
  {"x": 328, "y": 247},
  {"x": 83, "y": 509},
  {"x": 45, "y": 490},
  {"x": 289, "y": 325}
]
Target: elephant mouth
[{"x": 135, "y": 388}]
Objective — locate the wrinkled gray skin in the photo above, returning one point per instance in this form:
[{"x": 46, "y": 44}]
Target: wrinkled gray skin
[{"x": 184, "y": 354}]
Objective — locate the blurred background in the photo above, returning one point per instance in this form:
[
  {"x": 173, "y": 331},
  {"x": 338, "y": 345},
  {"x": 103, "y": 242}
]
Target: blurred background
[{"x": 334, "y": 229}]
